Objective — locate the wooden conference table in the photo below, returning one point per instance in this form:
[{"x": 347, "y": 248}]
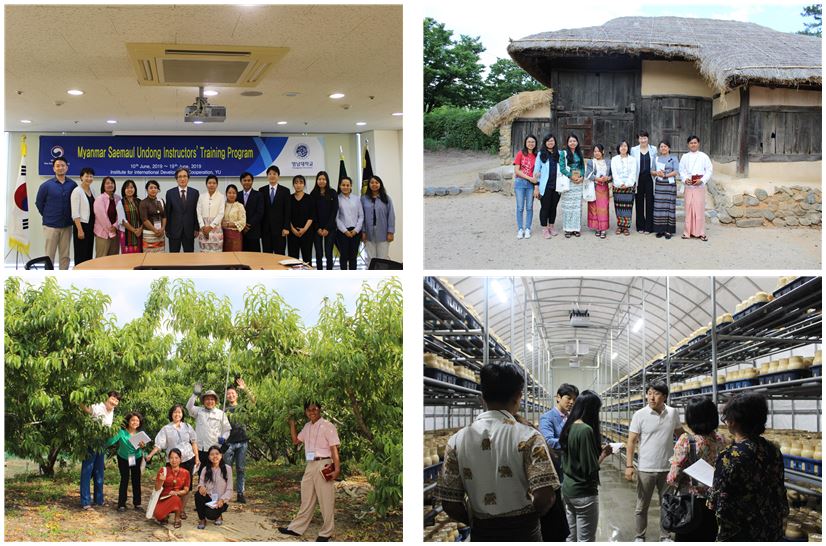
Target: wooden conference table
[{"x": 188, "y": 260}]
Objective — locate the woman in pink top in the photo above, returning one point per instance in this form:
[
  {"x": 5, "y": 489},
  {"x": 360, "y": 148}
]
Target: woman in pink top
[
  {"x": 525, "y": 186},
  {"x": 107, "y": 239},
  {"x": 321, "y": 442}
]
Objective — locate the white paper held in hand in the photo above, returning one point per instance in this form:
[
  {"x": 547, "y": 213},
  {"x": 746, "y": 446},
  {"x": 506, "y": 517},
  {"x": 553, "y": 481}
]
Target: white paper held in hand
[
  {"x": 702, "y": 472},
  {"x": 138, "y": 438},
  {"x": 616, "y": 446}
]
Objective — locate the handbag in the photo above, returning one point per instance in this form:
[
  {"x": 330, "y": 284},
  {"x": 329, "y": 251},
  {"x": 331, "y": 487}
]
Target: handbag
[
  {"x": 681, "y": 512},
  {"x": 153, "y": 499},
  {"x": 589, "y": 192},
  {"x": 563, "y": 183}
]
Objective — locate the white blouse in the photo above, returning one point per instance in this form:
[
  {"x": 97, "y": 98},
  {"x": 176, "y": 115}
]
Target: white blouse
[
  {"x": 211, "y": 206},
  {"x": 624, "y": 171}
]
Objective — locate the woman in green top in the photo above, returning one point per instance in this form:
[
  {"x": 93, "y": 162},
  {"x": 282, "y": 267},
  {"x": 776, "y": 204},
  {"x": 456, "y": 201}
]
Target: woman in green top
[
  {"x": 580, "y": 440},
  {"x": 129, "y": 459},
  {"x": 572, "y": 165}
]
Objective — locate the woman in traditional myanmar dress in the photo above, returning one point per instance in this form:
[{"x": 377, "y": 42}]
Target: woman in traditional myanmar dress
[
  {"x": 572, "y": 165},
  {"x": 664, "y": 170},
  {"x": 210, "y": 215},
  {"x": 598, "y": 171},
  {"x": 235, "y": 218},
  {"x": 624, "y": 176}
]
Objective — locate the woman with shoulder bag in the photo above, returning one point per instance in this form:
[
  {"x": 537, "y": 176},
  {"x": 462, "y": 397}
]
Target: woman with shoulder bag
[
  {"x": 624, "y": 172},
  {"x": 701, "y": 417},
  {"x": 572, "y": 165},
  {"x": 598, "y": 173}
]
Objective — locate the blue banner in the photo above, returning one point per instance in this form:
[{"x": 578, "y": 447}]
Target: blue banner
[{"x": 159, "y": 156}]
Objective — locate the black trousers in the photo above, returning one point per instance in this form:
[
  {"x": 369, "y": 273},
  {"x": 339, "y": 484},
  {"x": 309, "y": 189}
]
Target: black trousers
[
  {"x": 547, "y": 212},
  {"x": 125, "y": 472},
  {"x": 645, "y": 204},
  {"x": 84, "y": 248},
  {"x": 509, "y": 529},
  {"x": 189, "y": 466},
  {"x": 324, "y": 247},
  {"x": 273, "y": 244},
  {"x": 251, "y": 243},
  {"x": 348, "y": 248},
  {"x": 188, "y": 244},
  {"x": 204, "y": 511},
  {"x": 301, "y": 245}
]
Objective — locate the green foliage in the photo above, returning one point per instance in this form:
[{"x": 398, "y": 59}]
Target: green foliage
[
  {"x": 506, "y": 79},
  {"x": 62, "y": 350},
  {"x": 814, "y": 11},
  {"x": 454, "y": 127},
  {"x": 452, "y": 70}
]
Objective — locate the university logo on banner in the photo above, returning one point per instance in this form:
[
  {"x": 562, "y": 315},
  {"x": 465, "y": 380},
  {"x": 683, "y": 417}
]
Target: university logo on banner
[{"x": 19, "y": 216}]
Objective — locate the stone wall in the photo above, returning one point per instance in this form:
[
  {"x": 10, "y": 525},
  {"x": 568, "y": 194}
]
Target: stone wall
[{"x": 788, "y": 206}]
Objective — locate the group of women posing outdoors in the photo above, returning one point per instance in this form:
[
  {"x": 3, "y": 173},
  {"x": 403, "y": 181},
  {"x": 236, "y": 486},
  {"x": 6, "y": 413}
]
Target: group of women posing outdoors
[
  {"x": 108, "y": 224},
  {"x": 555, "y": 173}
]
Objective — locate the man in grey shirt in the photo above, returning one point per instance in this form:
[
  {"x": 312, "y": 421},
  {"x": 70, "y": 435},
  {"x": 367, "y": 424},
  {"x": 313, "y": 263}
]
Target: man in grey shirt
[{"x": 211, "y": 424}]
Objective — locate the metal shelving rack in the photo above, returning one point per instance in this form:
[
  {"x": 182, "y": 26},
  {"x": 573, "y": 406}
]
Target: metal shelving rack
[
  {"x": 790, "y": 321},
  {"x": 468, "y": 342}
]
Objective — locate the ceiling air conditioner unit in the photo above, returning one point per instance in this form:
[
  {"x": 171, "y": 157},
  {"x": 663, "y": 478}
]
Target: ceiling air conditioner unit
[
  {"x": 577, "y": 348},
  {"x": 580, "y": 319}
]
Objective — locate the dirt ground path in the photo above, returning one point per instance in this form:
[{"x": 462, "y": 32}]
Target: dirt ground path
[
  {"x": 478, "y": 231},
  {"x": 38, "y": 509}
]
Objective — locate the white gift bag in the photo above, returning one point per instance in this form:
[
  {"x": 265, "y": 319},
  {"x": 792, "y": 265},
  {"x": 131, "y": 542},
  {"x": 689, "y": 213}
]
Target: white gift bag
[
  {"x": 153, "y": 499},
  {"x": 589, "y": 192},
  {"x": 563, "y": 183}
]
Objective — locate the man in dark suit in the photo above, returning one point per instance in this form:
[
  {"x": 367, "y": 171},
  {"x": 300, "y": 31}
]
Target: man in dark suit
[
  {"x": 276, "y": 222},
  {"x": 181, "y": 213},
  {"x": 254, "y": 205}
]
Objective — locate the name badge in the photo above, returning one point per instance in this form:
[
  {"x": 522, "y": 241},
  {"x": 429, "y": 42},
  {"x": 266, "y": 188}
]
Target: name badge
[
  {"x": 131, "y": 460},
  {"x": 310, "y": 455},
  {"x": 157, "y": 225}
]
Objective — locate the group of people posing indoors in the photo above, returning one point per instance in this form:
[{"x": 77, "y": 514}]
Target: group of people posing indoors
[
  {"x": 511, "y": 481},
  {"x": 240, "y": 219},
  {"x": 208, "y": 452},
  {"x": 552, "y": 172}
]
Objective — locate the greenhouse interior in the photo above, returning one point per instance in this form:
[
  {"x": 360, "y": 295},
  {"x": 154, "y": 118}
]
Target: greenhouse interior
[{"x": 718, "y": 337}]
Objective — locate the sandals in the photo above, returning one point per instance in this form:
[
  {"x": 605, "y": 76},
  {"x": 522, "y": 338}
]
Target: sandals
[
  {"x": 576, "y": 234},
  {"x": 183, "y": 515},
  {"x": 567, "y": 235},
  {"x": 219, "y": 521},
  {"x": 602, "y": 235},
  {"x": 667, "y": 236},
  {"x": 626, "y": 232},
  {"x": 703, "y": 238},
  {"x": 597, "y": 233},
  {"x": 177, "y": 524},
  {"x": 618, "y": 231},
  {"x": 684, "y": 236},
  {"x": 202, "y": 524}
]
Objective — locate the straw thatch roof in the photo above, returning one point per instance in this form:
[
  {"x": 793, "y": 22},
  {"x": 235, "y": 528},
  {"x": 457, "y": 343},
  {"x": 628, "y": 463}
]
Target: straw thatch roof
[
  {"x": 727, "y": 53},
  {"x": 511, "y": 108}
]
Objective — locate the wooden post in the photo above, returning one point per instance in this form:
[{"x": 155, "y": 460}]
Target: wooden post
[{"x": 743, "y": 134}]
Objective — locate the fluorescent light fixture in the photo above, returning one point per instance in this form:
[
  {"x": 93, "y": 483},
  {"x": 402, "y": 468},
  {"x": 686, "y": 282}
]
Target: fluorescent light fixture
[
  {"x": 282, "y": 123},
  {"x": 637, "y": 325},
  {"x": 614, "y": 355},
  {"x": 197, "y": 122},
  {"x": 210, "y": 93},
  {"x": 530, "y": 346},
  {"x": 337, "y": 96},
  {"x": 499, "y": 291},
  {"x": 25, "y": 121},
  {"x": 361, "y": 123},
  {"x": 111, "y": 121},
  {"x": 76, "y": 92},
  {"x": 398, "y": 113}
]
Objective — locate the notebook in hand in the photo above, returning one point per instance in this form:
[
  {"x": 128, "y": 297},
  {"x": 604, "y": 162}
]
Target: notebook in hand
[{"x": 327, "y": 471}]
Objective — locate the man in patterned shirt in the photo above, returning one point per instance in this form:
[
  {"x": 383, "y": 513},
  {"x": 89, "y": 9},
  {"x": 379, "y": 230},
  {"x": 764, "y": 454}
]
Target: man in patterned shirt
[{"x": 501, "y": 465}]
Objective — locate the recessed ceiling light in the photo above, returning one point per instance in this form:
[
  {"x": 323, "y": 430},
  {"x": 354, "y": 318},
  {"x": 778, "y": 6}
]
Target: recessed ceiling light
[
  {"x": 75, "y": 92},
  {"x": 251, "y": 94},
  {"x": 398, "y": 113},
  {"x": 291, "y": 94},
  {"x": 210, "y": 93},
  {"x": 282, "y": 123},
  {"x": 361, "y": 123},
  {"x": 337, "y": 96},
  {"x": 197, "y": 122},
  {"x": 111, "y": 121},
  {"x": 25, "y": 121}
]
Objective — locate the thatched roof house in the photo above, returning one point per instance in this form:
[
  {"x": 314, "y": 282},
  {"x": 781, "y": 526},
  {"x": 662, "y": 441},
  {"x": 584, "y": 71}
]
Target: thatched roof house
[{"x": 753, "y": 94}]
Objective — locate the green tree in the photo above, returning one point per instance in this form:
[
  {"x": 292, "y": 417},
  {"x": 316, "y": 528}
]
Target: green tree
[
  {"x": 506, "y": 79},
  {"x": 62, "y": 351},
  {"x": 452, "y": 70},
  {"x": 812, "y": 29}
]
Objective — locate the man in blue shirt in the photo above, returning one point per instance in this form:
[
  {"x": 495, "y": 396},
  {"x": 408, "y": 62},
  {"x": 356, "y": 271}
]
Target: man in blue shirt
[
  {"x": 551, "y": 422},
  {"x": 54, "y": 205}
]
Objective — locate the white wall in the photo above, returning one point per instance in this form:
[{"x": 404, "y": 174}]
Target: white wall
[{"x": 389, "y": 152}]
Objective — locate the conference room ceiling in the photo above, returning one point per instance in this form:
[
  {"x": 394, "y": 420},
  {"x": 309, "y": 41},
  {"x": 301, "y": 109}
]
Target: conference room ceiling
[{"x": 355, "y": 50}]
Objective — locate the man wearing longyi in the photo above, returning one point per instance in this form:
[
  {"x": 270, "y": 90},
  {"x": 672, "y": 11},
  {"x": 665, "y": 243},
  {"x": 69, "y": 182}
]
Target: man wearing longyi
[{"x": 181, "y": 213}]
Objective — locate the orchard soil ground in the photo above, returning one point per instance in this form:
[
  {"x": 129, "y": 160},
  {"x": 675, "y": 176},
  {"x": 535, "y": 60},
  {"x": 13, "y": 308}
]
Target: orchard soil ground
[
  {"x": 48, "y": 509},
  {"x": 478, "y": 231}
]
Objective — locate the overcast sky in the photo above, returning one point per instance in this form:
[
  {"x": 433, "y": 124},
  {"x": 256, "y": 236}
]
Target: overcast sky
[
  {"x": 496, "y": 22},
  {"x": 129, "y": 292}
]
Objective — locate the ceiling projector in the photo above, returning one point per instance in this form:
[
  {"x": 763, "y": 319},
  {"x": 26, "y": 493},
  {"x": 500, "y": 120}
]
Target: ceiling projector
[
  {"x": 579, "y": 319},
  {"x": 204, "y": 112}
]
